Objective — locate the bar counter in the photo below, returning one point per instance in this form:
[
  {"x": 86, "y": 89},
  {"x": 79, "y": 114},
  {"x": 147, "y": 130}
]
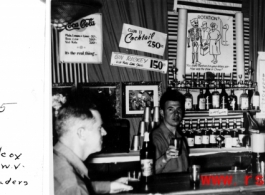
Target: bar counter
[{"x": 179, "y": 183}]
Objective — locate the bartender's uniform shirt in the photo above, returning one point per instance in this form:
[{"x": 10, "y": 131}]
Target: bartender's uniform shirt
[{"x": 161, "y": 139}]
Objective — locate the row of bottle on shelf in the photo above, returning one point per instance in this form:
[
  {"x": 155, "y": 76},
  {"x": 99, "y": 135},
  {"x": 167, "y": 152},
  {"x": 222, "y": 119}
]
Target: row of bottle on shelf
[
  {"x": 207, "y": 135},
  {"x": 199, "y": 80},
  {"x": 216, "y": 100}
]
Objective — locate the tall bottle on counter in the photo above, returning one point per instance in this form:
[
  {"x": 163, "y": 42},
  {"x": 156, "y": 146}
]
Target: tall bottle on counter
[{"x": 147, "y": 160}]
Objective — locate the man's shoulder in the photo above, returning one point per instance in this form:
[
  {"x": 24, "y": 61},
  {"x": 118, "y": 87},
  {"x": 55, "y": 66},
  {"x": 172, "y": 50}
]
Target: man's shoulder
[{"x": 65, "y": 178}]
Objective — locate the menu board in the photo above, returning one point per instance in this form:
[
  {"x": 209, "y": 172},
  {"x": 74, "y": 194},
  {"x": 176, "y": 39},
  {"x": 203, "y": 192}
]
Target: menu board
[{"x": 81, "y": 41}]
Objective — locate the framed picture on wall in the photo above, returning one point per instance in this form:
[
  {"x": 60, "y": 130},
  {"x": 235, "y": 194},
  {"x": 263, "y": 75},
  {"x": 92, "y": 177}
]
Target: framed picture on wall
[
  {"x": 107, "y": 95},
  {"x": 138, "y": 95}
]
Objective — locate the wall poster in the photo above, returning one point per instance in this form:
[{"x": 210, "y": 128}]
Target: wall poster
[
  {"x": 209, "y": 43},
  {"x": 142, "y": 39},
  {"x": 81, "y": 41}
]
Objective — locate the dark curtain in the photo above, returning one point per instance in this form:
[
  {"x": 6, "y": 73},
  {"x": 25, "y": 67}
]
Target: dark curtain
[
  {"x": 257, "y": 31},
  {"x": 151, "y": 14}
]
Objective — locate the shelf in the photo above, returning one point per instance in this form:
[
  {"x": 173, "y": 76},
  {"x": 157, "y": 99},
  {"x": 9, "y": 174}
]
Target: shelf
[
  {"x": 235, "y": 88},
  {"x": 134, "y": 156},
  {"x": 208, "y": 151},
  {"x": 229, "y": 111}
]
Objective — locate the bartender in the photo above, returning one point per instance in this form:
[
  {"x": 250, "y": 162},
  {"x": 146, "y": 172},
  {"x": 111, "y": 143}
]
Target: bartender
[{"x": 172, "y": 112}]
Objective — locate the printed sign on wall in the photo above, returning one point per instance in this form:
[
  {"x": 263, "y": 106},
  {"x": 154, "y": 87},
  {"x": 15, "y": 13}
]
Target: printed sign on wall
[
  {"x": 261, "y": 83},
  {"x": 209, "y": 43},
  {"x": 81, "y": 41},
  {"x": 139, "y": 62},
  {"x": 142, "y": 39}
]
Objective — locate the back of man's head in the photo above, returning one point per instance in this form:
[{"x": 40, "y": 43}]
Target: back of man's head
[
  {"x": 172, "y": 95},
  {"x": 76, "y": 107}
]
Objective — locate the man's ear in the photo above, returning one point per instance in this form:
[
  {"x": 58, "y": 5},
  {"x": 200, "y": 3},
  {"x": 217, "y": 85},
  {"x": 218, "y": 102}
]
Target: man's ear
[
  {"x": 162, "y": 113},
  {"x": 81, "y": 133}
]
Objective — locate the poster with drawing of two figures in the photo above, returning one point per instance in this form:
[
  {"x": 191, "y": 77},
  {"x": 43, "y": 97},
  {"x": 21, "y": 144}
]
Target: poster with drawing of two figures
[{"x": 209, "y": 43}]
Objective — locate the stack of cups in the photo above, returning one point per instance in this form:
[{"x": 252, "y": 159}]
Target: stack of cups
[{"x": 149, "y": 122}]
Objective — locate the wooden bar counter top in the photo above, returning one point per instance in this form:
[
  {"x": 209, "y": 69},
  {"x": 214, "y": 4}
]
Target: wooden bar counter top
[{"x": 179, "y": 183}]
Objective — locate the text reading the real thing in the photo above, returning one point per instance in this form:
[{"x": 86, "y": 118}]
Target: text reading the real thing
[{"x": 11, "y": 161}]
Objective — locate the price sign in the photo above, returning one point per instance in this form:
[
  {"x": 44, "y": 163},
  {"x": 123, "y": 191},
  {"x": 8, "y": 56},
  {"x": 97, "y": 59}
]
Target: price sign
[
  {"x": 142, "y": 39},
  {"x": 139, "y": 62}
]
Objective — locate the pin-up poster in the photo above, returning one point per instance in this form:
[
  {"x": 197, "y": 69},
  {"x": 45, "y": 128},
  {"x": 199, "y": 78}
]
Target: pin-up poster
[
  {"x": 209, "y": 43},
  {"x": 81, "y": 41}
]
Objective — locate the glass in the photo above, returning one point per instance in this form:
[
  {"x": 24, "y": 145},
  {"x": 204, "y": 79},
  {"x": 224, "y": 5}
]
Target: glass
[
  {"x": 195, "y": 171},
  {"x": 177, "y": 143}
]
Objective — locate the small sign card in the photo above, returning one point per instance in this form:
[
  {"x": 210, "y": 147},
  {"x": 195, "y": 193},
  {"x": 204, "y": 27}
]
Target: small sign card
[
  {"x": 143, "y": 39},
  {"x": 218, "y": 112},
  {"x": 139, "y": 62}
]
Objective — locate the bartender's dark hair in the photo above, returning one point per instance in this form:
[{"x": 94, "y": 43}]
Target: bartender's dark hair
[
  {"x": 76, "y": 107},
  {"x": 172, "y": 95}
]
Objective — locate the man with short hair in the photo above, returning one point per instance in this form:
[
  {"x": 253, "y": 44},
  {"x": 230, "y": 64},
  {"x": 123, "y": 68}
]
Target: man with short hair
[
  {"x": 172, "y": 112},
  {"x": 80, "y": 131}
]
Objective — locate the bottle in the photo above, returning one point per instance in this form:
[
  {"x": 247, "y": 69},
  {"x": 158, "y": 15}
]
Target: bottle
[
  {"x": 205, "y": 135},
  {"x": 198, "y": 80},
  {"x": 197, "y": 136},
  {"x": 244, "y": 104},
  {"x": 216, "y": 99},
  {"x": 217, "y": 80},
  {"x": 232, "y": 101},
  {"x": 221, "y": 131},
  {"x": 201, "y": 100},
  {"x": 231, "y": 80},
  {"x": 147, "y": 160},
  {"x": 182, "y": 128},
  {"x": 208, "y": 98},
  {"x": 192, "y": 80},
  {"x": 241, "y": 132},
  {"x": 188, "y": 100},
  {"x": 234, "y": 135},
  {"x": 255, "y": 100},
  {"x": 226, "y": 129},
  {"x": 223, "y": 98},
  {"x": 213, "y": 134},
  {"x": 190, "y": 138}
]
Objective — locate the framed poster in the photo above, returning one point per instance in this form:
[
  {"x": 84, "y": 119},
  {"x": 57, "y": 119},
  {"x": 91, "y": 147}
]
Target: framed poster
[
  {"x": 209, "y": 43},
  {"x": 138, "y": 95},
  {"x": 107, "y": 95}
]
